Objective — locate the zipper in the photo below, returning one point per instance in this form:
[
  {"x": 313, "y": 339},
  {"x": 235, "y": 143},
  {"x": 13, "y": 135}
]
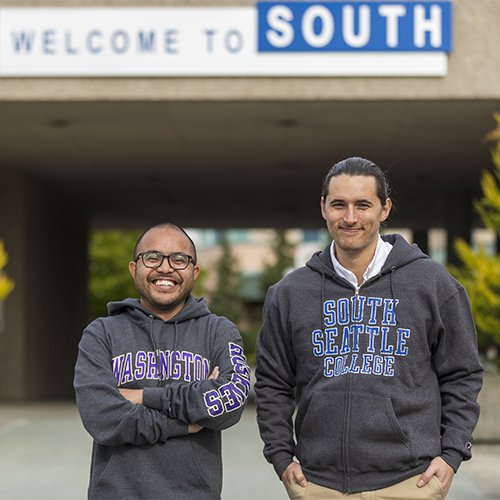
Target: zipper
[{"x": 347, "y": 412}]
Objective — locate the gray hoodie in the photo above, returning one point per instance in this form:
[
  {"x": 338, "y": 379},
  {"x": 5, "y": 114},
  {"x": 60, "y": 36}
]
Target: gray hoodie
[
  {"x": 387, "y": 375},
  {"x": 144, "y": 451}
]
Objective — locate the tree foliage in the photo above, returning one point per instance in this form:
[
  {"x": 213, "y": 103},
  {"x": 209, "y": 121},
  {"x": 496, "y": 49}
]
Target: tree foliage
[
  {"x": 283, "y": 252},
  {"x": 109, "y": 279},
  {"x": 480, "y": 272},
  {"x": 6, "y": 283},
  {"x": 225, "y": 299}
]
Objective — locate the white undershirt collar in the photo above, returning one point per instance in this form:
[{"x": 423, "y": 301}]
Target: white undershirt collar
[{"x": 382, "y": 251}]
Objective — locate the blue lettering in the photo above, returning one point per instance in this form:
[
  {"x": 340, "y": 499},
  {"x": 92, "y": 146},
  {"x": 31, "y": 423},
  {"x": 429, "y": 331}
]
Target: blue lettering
[
  {"x": 233, "y": 41},
  {"x": 117, "y": 367},
  {"x": 328, "y": 371},
  {"x": 23, "y": 41},
  {"x": 241, "y": 367},
  {"x": 213, "y": 403},
  {"x": 329, "y": 311},
  {"x": 175, "y": 366},
  {"x": 389, "y": 312},
  {"x": 235, "y": 350},
  {"x": 388, "y": 370},
  {"x": 152, "y": 369},
  {"x": 93, "y": 49},
  {"x": 372, "y": 331},
  {"x": 343, "y": 311},
  {"x": 338, "y": 365},
  {"x": 127, "y": 375},
  {"x": 378, "y": 365},
  {"x": 164, "y": 365},
  {"x": 374, "y": 303},
  {"x": 235, "y": 397},
  {"x": 331, "y": 349},
  {"x": 367, "y": 358},
  {"x": 238, "y": 379},
  {"x": 67, "y": 44},
  {"x": 210, "y": 34},
  {"x": 353, "y": 368},
  {"x": 187, "y": 357},
  {"x": 170, "y": 41},
  {"x": 385, "y": 349},
  {"x": 119, "y": 42},
  {"x": 356, "y": 330},
  {"x": 146, "y": 41},
  {"x": 401, "y": 350},
  {"x": 345, "y": 341},
  {"x": 357, "y": 317},
  {"x": 345, "y": 369},
  {"x": 198, "y": 367},
  {"x": 48, "y": 42},
  {"x": 316, "y": 340},
  {"x": 140, "y": 365}
]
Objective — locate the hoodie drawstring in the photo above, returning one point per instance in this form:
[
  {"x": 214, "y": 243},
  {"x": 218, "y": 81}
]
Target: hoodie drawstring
[
  {"x": 393, "y": 291},
  {"x": 322, "y": 300},
  {"x": 155, "y": 348}
]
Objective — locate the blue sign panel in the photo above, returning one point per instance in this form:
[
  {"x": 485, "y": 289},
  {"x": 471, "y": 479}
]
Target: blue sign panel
[{"x": 354, "y": 26}]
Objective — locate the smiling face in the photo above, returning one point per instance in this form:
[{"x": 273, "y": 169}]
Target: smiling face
[
  {"x": 164, "y": 290},
  {"x": 353, "y": 213}
]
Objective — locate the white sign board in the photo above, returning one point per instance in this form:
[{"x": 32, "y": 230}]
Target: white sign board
[{"x": 231, "y": 41}]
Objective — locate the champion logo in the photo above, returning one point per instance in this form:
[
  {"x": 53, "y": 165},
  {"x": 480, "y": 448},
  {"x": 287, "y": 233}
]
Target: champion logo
[{"x": 468, "y": 445}]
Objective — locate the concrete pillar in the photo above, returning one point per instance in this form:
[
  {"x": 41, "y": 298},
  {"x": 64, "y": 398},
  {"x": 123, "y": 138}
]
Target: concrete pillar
[
  {"x": 458, "y": 220},
  {"x": 420, "y": 237},
  {"x": 45, "y": 237}
]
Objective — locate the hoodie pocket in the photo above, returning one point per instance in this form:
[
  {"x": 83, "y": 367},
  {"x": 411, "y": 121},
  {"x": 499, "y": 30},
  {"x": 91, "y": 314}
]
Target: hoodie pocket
[
  {"x": 376, "y": 440},
  {"x": 320, "y": 431}
]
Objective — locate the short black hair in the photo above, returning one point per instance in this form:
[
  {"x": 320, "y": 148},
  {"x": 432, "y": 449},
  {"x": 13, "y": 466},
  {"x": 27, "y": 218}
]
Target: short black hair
[
  {"x": 166, "y": 225},
  {"x": 359, "y": 166}
]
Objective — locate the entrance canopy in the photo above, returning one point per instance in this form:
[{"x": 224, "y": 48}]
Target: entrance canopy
[{"x": 243, "y": 164}]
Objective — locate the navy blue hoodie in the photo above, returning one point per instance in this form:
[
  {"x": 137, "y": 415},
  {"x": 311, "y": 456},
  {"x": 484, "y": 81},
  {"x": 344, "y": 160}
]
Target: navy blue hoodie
[
  {"x": 144, "y": 451},
  {"x": 387, "y": 374}
]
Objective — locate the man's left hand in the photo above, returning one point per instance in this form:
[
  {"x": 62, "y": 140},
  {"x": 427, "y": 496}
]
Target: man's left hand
[
  {"x": 133, "y": 395},
  {"x": 439, "y": 468}
]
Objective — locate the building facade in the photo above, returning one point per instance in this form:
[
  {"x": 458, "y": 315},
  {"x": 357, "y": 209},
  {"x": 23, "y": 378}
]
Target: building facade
[{"x": 219, "y": 114}]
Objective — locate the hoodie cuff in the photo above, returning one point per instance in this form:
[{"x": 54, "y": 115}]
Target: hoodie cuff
[
  {"x": 280, "y": 462},
  {"x": 176, "y": 428},
  {"x": 152, "y": 397},
  {"x": 452, "y": 458}
]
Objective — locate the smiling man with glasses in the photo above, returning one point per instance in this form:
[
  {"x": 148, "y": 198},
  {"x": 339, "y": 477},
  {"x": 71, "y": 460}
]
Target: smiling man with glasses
[{"x": 158, "y": 379}]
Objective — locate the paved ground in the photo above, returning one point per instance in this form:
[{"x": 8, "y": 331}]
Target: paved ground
[{"x": 45, "y": 452}]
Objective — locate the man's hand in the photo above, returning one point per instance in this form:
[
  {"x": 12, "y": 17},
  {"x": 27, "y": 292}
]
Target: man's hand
[
  {"x": 133, "y": 395},
  {"x": 215, "y": 374},
  {"x": 439, "y": 468},
  {"x": 293, "y": 473}
]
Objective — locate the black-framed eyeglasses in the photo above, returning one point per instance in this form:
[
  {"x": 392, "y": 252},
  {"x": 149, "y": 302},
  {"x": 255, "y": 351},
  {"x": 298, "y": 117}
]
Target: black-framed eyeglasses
[{"x": 153, "y": 260}]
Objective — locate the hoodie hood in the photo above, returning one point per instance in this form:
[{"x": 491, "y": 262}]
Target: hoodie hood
[
  {"x": 194, "y": 308},
  {"x": 401, "y": 254}
]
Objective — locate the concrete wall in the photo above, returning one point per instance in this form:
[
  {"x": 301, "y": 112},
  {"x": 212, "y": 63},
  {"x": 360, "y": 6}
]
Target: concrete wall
[
  {"x": 45, "y": 237},
  {"x": 488, "y": 427}
]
